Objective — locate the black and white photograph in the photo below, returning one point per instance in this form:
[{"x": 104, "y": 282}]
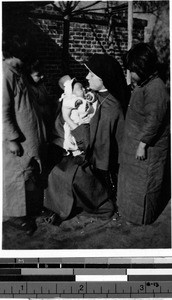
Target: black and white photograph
[{"x": 86, "y": 125}]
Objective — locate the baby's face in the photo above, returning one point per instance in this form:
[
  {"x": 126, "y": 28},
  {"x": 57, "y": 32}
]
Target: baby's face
[{"x": 78, "y": 90}]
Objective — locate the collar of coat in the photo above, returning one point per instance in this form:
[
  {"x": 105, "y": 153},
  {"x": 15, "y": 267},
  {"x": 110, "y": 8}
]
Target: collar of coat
[{"x": 148, "y": 79}]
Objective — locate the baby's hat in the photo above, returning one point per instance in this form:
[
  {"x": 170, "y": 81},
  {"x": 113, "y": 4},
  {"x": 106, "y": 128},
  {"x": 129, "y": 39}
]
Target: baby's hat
[{"x": 62, "y": 81}]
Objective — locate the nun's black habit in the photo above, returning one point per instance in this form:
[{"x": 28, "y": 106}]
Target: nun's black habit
[{"x": 84, "y": 181}]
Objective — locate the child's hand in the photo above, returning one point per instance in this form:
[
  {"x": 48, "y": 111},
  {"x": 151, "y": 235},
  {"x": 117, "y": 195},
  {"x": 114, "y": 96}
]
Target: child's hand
[
  {"x": 15, "y": 148},
  {"x": 141, "y": 151},
  {"x": 40, "y": 165}
]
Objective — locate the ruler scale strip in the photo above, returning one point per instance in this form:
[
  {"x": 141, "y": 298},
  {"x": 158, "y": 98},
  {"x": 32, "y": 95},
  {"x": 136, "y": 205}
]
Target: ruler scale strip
[
  {"x": 94, "y": 271},
  {"x": 86, "y": 277},
  {"x": 67, "y": 288},
  {"x": 89, "y": 262}
]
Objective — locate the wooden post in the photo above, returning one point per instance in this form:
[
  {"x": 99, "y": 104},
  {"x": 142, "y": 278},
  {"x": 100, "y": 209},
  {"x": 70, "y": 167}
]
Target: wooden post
[
  {"x": 65, "y": 49},
  {"x": 130, "y": 32}
]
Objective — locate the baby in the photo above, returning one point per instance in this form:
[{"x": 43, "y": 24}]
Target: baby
[{"x": 76, "y": 109}]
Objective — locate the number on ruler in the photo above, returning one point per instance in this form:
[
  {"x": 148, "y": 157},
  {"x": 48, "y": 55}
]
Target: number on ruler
[
  {"x": 81, "y": 288},
  {"x": 156, "y": 284},
  {"x": 141, "y": 287}
]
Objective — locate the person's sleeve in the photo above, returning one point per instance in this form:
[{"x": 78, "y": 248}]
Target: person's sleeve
[
  {"x": 82, "y": 136},
  {"x": 11, "y": 131},
  {"x": 120, "y": 133},
  {"x": 155, "y": 109},
  {"x": 105, "y": 139}
]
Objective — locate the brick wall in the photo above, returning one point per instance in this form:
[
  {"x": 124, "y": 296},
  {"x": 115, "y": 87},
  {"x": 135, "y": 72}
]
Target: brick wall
[{"x": 84, "y": 40}]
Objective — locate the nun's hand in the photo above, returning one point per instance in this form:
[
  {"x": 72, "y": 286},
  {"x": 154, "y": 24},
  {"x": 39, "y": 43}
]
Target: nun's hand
[{"x": 85, "y": 118}]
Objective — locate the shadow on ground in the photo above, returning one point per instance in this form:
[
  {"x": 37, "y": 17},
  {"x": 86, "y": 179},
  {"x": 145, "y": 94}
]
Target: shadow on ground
[{"x": 82, "y": 232}]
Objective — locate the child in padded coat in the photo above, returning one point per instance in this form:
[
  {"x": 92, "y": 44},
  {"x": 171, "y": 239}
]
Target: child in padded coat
[{"x": 146, "y": 139}]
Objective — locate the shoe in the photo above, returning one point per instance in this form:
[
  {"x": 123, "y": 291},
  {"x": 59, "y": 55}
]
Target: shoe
[
  {"x": 29, "y": 226},
  {"x": 116, "y": 216},
  {"x": 53, "y": 219},
  {"x": 49, "y": 219},
  {"x": 129, "y": 223}
]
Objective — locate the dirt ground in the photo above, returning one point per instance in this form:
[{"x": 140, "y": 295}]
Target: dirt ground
[{"x": 81, "y": 232}]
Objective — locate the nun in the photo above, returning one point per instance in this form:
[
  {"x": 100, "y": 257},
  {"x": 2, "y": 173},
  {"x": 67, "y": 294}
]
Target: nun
[{"x": 89, "y": 180}]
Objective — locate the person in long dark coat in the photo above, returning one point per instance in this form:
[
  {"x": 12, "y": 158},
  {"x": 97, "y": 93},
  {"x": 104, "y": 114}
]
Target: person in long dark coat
[
  {"x": 146, "y": 139},
  {"x": 87, "y": 180}
]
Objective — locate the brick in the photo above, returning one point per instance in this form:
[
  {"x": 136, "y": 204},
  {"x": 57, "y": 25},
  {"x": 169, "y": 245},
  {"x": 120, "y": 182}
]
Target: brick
[{"x": 82, "y": 41}]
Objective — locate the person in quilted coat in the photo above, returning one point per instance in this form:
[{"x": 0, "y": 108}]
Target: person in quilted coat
[
  {"x": 23, "y": 138},
  {"x": 146, "y": 139}
]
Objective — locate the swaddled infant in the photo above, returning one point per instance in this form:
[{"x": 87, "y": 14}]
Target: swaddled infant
[{"x": 77, "y": 108}]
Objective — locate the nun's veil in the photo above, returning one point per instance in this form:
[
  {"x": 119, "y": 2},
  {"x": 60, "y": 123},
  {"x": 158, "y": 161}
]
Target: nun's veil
[{"x": 109, "y": 70}]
